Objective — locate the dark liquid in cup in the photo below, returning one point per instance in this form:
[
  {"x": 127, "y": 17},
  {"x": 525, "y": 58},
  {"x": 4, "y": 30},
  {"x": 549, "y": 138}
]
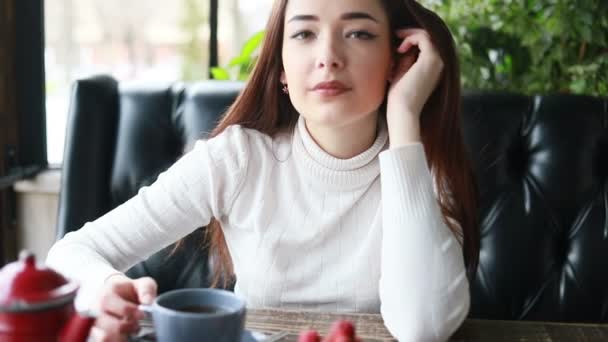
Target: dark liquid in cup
[{"x": 209, "y": 309}]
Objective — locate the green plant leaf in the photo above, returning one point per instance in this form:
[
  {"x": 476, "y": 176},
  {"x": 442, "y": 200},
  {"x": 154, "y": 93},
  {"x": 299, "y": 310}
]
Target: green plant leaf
[
  {"x": 220, "y": 74},
  {"x": 239, "y": 60},
  {"x": 252, "y": 44},
  {"x": 578, "y": 86},
  {"x": 586, "y": 33},
  {"x": 586, "y": 17},
  {"x": 536, "y": 44}
]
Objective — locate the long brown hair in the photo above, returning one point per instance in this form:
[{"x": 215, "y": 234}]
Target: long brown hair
[{"x": 262, "y": 106}]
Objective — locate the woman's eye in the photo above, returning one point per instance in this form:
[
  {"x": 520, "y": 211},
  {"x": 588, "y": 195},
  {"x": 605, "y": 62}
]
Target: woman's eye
[
  {"x": 364, "y": 35},
  {"x": 302, "y": 35}
]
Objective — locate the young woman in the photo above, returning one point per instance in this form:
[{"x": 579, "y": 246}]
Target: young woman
[{"x": 336, "y": 181}]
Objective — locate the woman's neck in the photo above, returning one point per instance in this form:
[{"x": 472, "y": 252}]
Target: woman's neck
[{"x": 345, "y": 142}]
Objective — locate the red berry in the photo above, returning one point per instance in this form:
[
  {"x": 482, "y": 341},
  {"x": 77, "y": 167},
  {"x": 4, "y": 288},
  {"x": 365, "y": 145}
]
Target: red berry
[
  {"x": 343, "y": 327},
  {"x": 309, "y": 336}
]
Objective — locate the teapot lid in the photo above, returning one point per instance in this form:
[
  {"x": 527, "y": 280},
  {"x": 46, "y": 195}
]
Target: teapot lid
[{"x": 26, "y": 286}]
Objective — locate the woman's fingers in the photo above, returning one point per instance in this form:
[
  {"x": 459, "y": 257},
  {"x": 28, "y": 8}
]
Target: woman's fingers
[
  {"x": 115, "y": 325},
  {"x": 415, "y": 36},
  {"x": 98, "y": 335},
  {"x": 417, "y": 71},
  {"x": 121, "y": 300},
  {"x": 111, "y": 328},
  {"x": 405, "y": 45},
  {"x": 421, "y": 39},
  {"x": 146, "y": 289},
  {"x": 117, "y": 306}
]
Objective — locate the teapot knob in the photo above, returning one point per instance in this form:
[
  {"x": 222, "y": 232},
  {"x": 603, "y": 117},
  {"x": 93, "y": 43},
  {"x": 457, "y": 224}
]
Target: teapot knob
[{"x": 28, "y": 257}]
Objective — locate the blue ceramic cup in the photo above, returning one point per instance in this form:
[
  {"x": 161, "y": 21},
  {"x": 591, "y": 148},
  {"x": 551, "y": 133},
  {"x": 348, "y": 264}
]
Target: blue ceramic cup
[{"x": 197, "y": 314}]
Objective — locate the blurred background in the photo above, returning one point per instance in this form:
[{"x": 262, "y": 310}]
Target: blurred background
[
  {"x": 522, "y": 46},
  {"x": 144, "y": 40}
]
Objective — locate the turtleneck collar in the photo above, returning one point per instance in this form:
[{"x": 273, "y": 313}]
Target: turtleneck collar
[{"x": 334, "y": 173}]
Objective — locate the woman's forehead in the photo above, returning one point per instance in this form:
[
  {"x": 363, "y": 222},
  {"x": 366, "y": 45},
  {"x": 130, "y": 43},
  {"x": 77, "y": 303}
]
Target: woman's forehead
[{"x": 334, "y": 9}]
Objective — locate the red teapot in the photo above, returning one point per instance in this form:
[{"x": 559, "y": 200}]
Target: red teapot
[{"x": 37, "y": 304}]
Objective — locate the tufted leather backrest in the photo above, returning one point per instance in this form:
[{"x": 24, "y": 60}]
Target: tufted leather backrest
[
  {"x": 542, "y": 169},
  {"x": 120, "y": 138},
  {"x": 541, "y": 165}
]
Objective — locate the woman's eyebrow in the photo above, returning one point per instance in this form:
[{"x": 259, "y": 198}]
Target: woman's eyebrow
[
  {"x": 345, "y": 16},
  {"x": 357, "y": 15}
]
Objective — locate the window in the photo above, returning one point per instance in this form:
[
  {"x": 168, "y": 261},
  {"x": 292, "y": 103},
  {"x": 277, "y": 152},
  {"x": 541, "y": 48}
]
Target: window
[
  {"x": 144, "y": 40},
  {"x": 238, "y": 21}
]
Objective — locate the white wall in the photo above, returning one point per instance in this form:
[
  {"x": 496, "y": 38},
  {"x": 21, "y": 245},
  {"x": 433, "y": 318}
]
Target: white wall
[{"x": 37, "y": 203}]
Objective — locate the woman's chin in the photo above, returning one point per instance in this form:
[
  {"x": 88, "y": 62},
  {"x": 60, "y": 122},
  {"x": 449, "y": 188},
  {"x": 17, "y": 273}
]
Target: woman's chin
[{"x": 334, "y": 118}]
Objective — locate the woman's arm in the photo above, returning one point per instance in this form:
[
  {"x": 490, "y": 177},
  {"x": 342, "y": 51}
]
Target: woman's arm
[
  {"x": 199, "y": 186},
  {"x": 424, "y": 290}
]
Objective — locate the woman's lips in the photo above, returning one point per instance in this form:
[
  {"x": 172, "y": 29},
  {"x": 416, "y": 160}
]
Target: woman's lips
[{"x": 330, "y": 88}]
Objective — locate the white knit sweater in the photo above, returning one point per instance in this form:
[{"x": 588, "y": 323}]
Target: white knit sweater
[{"x": 305, "y": 230}]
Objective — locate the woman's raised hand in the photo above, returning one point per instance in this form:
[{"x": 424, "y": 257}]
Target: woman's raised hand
[{"x": 417, "y": 72}]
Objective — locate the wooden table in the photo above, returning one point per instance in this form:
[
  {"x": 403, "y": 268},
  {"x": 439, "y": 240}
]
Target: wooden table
[{"x": 370, "y": 327}]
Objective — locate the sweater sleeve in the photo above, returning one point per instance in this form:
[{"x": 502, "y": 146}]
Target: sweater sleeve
[
  {"x": 199, "y": 186},
  {"x": 424, "y": 291}
]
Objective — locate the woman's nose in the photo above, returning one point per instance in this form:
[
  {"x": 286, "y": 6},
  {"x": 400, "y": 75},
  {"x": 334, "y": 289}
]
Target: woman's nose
[
  {"x": 331, "y": 63},
  {"x": 330, "y": 56}
]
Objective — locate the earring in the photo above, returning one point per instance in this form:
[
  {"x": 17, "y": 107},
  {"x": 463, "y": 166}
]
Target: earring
[{"x": 285, "y": 89}]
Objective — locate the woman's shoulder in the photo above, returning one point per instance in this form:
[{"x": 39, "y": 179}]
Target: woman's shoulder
[
  {"x": 239, "y": 137},
  {"x": 240, "y": 144}
]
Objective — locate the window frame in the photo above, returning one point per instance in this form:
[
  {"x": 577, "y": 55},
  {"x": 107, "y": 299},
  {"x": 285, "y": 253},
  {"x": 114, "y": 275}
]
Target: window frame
[{"x": 22, "y": 108}]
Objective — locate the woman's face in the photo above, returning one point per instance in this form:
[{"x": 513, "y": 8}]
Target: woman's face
[{"x": 340, "y": 40}]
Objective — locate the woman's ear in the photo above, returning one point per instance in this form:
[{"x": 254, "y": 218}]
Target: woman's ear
[{"x": 282, "y": 78}]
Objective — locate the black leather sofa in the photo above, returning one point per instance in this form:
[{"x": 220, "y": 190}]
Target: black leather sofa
[{"x": 541, "y": 164}]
